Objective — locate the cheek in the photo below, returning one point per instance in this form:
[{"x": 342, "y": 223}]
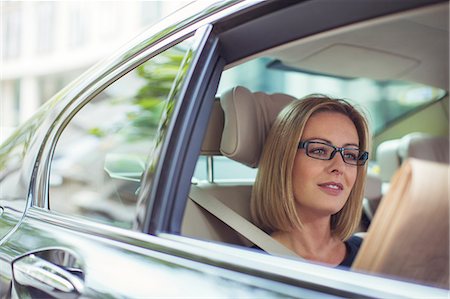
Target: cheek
[
  {"x": 304, "y": 170},
  {"x": 299, "y": 168},
  {"x": 351, "y": 177}
]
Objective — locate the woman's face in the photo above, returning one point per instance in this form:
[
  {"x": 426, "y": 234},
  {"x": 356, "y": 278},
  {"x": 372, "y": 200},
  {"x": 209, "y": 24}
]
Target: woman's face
[{"x": 321, "y": 187}]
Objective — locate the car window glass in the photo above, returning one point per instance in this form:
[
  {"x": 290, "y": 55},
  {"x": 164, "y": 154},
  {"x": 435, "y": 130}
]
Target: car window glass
[{"x": 102, "y": 153}]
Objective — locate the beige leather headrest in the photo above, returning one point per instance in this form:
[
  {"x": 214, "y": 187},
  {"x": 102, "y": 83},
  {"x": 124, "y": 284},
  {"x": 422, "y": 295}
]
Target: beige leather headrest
[
  {"x": 388, "y": 159},
  {"x": 248, "y": 119},
  {"x": 391, "y": 153},
  {"x": 425, "y": 147}
]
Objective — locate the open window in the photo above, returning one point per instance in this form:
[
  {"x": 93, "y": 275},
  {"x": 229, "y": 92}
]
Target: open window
[{"x": 394, "y": 83}]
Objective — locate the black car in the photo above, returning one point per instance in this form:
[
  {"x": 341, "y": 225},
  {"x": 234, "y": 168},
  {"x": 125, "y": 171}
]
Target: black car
[{"x": 103, "y": 190}]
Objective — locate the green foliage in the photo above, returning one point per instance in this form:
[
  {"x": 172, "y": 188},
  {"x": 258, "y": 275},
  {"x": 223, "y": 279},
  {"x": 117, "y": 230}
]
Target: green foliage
[{"x": 160, "y": 73}]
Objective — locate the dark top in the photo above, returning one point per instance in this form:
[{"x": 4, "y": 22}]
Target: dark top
[{"x": 352, "y": 246}]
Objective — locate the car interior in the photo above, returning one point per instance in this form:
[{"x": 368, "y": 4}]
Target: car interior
[{"x": 395, "y": 69}]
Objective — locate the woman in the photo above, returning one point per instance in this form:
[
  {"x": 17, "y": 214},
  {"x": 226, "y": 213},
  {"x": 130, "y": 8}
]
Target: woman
[{"x": 310, "y": 183}]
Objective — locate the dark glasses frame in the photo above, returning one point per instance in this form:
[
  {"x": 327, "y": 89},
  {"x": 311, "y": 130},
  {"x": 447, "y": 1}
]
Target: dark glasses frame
[{"x": 363, "y": 156}]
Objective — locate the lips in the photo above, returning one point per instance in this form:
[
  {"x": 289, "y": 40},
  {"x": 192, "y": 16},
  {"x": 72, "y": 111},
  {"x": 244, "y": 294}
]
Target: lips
[{"x": 331, "y": 188}]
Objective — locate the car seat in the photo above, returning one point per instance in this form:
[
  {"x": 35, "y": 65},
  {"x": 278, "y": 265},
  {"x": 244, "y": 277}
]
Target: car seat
[
  {"x": 409, "y": 235},
  {"x": 392, "y": 153},
  {"x": 237, "y": 129}
]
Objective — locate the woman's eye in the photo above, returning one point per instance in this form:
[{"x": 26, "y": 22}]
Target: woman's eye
[
  {"x": 350, "y": 156},
  {"x": 319, "y": 151}
]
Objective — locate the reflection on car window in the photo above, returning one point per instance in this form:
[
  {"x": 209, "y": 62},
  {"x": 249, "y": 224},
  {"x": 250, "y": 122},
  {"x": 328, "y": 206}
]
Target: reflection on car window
[{"x": 102, "y": 153}]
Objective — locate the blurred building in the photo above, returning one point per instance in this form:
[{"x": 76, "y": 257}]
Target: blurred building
[{"x": 46, "y": 44}]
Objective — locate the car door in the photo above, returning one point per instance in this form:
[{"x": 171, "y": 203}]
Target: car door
[
  {"x": 77, "y": 238},
  {"x": 12, "y": 199}
]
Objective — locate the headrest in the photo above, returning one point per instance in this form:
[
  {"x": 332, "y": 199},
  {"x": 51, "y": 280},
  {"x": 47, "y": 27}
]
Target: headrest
[
  {"x": 248, "y": 119},
  {"x": 391, "y": 153},
  {"x": 425, "y": 147},
  {"x": 388, "y": 159}
]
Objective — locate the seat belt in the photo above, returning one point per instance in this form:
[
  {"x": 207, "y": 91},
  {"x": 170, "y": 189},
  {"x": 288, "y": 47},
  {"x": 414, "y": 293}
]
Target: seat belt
[{"x": 241, "y": 225}]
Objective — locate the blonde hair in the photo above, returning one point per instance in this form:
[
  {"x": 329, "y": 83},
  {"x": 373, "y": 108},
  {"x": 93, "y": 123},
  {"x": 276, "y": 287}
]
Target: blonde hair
[{"x": 272, "y": 204}]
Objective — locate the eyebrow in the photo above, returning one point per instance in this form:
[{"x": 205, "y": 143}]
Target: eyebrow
[{"x": 329, "y": 142}]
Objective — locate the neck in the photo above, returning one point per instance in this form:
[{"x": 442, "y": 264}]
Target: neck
[
  {"x": 314, "y": 235},
  {"x": 313, "y": 241}
]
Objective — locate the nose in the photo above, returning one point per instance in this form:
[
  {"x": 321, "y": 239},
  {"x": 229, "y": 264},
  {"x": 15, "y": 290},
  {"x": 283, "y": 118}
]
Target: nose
[{"x": 337, "y": 164}]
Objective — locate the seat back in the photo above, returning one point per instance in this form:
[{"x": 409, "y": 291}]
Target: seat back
[
  {"x": 409, "y": 235},
  {"x": 199, "y": 223}
]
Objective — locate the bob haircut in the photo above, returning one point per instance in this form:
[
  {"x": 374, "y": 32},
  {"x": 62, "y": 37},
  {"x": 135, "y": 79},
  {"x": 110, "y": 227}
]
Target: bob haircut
[{"x": 273, "y": 205}]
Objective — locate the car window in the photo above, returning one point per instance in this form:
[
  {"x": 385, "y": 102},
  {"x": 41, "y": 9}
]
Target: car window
[
  {"x": 103, "y": 151},
  {"x": 386, "y": 92},
  {"x": 224, "y": 169}
]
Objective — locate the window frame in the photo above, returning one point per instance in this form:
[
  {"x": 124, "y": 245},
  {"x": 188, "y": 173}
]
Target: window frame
[{"x": 167, "y": 200}]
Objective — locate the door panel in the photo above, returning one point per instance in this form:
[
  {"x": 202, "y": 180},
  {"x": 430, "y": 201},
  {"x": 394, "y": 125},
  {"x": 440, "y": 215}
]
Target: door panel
[
  {"x": 54, "y": 273},
  {"x": 138, "y": 266}
]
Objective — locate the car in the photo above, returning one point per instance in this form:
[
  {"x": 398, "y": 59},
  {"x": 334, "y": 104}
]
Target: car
[{"x": 103, "y": 190}]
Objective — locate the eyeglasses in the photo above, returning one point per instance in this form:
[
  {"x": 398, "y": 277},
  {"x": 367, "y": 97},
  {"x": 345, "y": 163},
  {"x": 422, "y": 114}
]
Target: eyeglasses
[{"x": 325, "y": 151}]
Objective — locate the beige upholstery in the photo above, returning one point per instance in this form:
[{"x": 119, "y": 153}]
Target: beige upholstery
[
  {"x": 373, "y": 187},
  {"x": 372, "y": 195},
  {"x": 201, "y": 224},
  {"x": 237, "y": 128},
  {"x": 409, "y": 235},
  {"x": 425, "y": 147},
  {"x": 391, "y": 153},
  {"x": 388, "y": 159},
  {"x": 248, "y": 119}
]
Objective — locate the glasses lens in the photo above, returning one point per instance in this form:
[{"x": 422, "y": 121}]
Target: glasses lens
[
  {"x": 351, "y": 156},
  {"x": 319, "y": 150},
  {"x": 355, "y": 157}
]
